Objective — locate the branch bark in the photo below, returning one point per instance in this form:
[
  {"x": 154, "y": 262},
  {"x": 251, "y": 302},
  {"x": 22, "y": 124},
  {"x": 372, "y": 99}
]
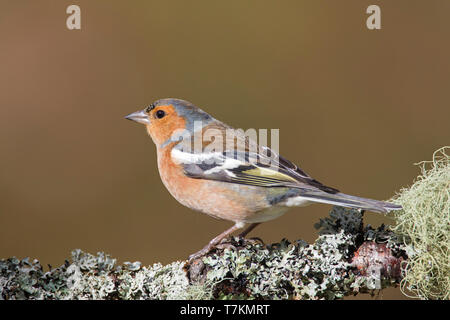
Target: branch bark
[{"x": 346, "y": 259}]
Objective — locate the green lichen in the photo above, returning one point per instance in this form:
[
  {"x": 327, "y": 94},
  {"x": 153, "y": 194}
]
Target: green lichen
[{"x": 425, "y": 222}]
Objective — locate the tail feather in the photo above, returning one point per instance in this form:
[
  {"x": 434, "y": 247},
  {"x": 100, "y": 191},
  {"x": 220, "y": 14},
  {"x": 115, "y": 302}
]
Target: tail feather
[{"x": 346, "y": 200}]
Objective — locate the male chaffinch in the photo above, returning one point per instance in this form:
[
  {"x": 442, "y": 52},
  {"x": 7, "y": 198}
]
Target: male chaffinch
[{"x": 246, "y": 185}]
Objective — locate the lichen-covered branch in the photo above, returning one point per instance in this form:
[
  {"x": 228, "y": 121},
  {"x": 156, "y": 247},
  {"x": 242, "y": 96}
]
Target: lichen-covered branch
[{"x": 346, "y": 259}]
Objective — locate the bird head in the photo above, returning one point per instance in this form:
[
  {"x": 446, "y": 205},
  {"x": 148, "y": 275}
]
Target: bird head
[{"x": 168, "y": 119}]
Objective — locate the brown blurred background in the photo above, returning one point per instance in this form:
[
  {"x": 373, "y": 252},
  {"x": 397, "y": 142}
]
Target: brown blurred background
[{"x": 355, "y": 108}]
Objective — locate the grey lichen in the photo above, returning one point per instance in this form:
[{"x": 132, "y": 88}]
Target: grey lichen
[
  {"x": 91, "y": 277},
  {"x": 283, "y": 271},
  {"x": 339, "y": 263},
  {"x": 323, "y": 270}
]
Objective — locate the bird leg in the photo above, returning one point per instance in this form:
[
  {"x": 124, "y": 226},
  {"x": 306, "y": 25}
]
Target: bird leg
[
  {"x": 247, "y": 231},
  {"x": 215, "y": 241}
]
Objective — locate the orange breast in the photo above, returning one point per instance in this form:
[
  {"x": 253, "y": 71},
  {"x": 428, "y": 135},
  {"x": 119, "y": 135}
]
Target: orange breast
[{"x": 217, "y": 199}]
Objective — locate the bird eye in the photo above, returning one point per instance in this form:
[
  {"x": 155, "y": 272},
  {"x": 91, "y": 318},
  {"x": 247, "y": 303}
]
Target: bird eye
[{"x": 160, "y": 114}]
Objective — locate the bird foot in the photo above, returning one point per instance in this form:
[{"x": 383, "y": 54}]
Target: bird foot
[
  {"x": 210, "y": 246},
  {"x": 199, "y": 254},
  {"x": 238, "y": 242},
  {"x": 226, "y": 243},
  {"x": 255, "y": 240}
]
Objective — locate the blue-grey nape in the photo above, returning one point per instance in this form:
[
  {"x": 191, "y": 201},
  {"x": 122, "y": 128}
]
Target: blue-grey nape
[{"x": 188, "y": 111}]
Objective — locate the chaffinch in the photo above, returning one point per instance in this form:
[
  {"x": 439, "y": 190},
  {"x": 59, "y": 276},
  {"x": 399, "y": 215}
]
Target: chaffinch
[{"x": 236, "y": 179}]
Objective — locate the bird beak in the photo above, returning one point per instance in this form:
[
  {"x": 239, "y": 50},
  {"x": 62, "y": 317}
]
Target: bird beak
[{"x": 139, "y": 116}]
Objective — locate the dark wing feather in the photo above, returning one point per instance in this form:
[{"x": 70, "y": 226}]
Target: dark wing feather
[{"x": 255, "y": 166}]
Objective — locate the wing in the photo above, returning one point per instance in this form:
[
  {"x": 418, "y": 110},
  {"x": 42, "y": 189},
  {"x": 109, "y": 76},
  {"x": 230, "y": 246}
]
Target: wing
[{"x": 251, "y": 165}]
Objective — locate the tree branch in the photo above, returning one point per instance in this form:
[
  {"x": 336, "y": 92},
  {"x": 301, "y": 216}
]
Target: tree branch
[{"x": 346, "y": 259}]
